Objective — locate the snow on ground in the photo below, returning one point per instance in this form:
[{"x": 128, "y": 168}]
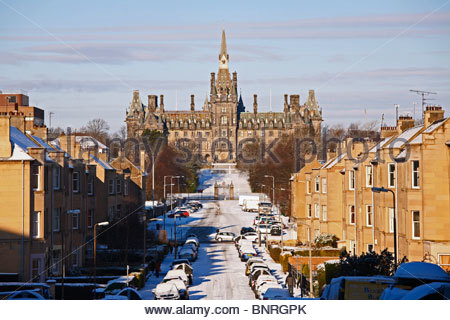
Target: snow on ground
[{"x": 218, "y": 270}]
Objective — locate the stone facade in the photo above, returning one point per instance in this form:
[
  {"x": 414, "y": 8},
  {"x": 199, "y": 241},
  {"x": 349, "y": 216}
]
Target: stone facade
[{"x": 216, "y": 131}]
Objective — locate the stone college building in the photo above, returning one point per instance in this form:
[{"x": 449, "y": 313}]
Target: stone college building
[{"x": 218, "y": 131}]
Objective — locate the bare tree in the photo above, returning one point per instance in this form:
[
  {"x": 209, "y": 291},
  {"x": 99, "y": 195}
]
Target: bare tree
[{"x": 97, "y": 128}]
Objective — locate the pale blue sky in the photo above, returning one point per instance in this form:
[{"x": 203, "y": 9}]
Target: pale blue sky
[{"x": 82, "y": 59}]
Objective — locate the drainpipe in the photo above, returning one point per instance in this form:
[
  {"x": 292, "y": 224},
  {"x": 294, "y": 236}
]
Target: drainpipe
[
  {"x": 373, "y": 212},
  {"x": 23, "y": 221},
  {"x": 396, "y": 205}
]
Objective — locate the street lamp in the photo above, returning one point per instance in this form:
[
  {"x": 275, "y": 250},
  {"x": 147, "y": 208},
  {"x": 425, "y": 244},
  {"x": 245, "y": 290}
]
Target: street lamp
[
  {"x": 273, "y": 187},
  {"x": 63, "y": 233},
  {"x": 165, "y": 200},
  {"x": 171, "y": 192},
  {"x": 105, "y": 223},
  {"x": 382, "y": 189},
  {"x": 175, "y": 223}
]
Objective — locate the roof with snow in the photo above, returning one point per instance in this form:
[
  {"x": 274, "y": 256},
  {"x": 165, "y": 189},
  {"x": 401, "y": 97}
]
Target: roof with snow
[
  {"x": 333, "y": 162},
  {"x": 404, "y": 137},
  {"x": 20, "y": 144},
  {"x": 104, "y": 164}
]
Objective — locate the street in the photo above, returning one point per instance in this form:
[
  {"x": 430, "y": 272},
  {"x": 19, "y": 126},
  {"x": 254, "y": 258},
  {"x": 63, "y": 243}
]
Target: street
[{"x": 218, "y": 270}]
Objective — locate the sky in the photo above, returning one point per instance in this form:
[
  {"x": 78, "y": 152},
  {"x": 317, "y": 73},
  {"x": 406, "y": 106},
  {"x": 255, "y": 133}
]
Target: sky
[{"x": 82, "y": 59}]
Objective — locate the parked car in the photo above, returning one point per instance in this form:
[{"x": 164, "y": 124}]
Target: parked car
[
  {"x": 187, "y": 270},
  {"x": 225, "y": 236},
  {"x": 261, "y": 290},
  {"x": 265, "y": 206},
  {"x": 259, "y": 265},
  {"x": 125, "y": 294},
  {"x": 245, "y": 230},
  {"x": 115, "y": 286},
  {"x": 175, "y": 274},
  {"x": 180, "y": 261},
  {"x": 190, "y": 245},
  {"x": 196, "y": 203},
  {"x": 247, "y": 254},
  {"x": 180, "y": 213},
  {"x": 25, "y": 295},
  {"x": 187, "y": 253},
  {"x": 250, "y": 262},
  {"x": 166, "y": 291},
  {"x": 265, "y": 279},
  {"x": 255, "y": 275},
  {"x": 253, "y": 236},
  {"x": 276, "y": 294},
  {"x": 276, "y": 230}
]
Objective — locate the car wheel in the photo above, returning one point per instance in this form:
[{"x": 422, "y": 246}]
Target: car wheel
[{"x": 219, "y": 239}]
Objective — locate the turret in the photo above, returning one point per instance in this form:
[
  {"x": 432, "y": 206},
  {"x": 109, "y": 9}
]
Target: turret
[
  {"x": 161, "y": 103},
  {"x": 192, "y": 103},
  {"x": 255, "y": 103},
  {"x": 286, "y": 104}
]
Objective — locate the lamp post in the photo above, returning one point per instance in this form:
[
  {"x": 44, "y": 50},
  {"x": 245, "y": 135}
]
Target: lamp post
[
  {"x": 175, "y": 223},
  {"x": 273, "y": 187},
  {"x": 382, "y": 189},
  {"x": 105, "y": 223},
  {"x": 171, "y": 192},
  {"x": 165, "y": 201}
]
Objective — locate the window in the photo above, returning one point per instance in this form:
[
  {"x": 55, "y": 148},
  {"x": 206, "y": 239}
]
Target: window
[
  {"x": 369, "y": 247},
  {"x": 118, "y": 186},
  {"x": 56, "y": 219},
  {"x": 308, "y": 186},
  {"x": 35, "y": 221},
  {"x": 316, "y": 210},
  {"x": 90, "y": 218},
  {"x": 324, "y": 185},
  {"x": 125, "y": 187},
  {"x": 391, "y": 175},
  {"x": 270, "y": 133},
  {"x": 317, "y": 184},
  {"x": 76, "y": 182},
  {"x": 224, "y": 133},
  {"x": 351, "y": 180},
  {"x": 369, "y": 176},
  {"x": 56, "y": 178},
  {"x": 415, "y": 174},
  {"x": 185, "y": 134},
  {"x": 224, "y": 109},
  {"x": 444, "y": 261},
  {"x": 352, "y": 217},
  {"x": 249, "y": 134},
  {"x": 119, "y": 208},
  {"x": 223, "y": 120},
  {"x": 35, "y": 170},
  {"x": 75, "y": 221},
  {"x": 111, "y": 186},
  {"x": 391, "y": 220},
  {"x": 416, "y": 225},
  {"x": 91, "y": 185},
  {"x": 241, "y": 134},
  {"x": 324, "y": 213},
  {"x": 369, "y": 215},
  {"x": 309, "y": 210},
  {"x": 176, "y": 133}
]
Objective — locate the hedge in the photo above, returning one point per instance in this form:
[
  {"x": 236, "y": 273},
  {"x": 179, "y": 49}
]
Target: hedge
[
  {"x": 284, "y": 261},
  {"x": 275, "y": 253},
  {"x": 318, "y": 253}
]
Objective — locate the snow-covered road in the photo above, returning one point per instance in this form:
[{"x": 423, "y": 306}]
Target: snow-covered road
[{"x": 218, "y": 270}]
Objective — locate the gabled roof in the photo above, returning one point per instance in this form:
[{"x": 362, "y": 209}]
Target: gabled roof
[
  {"x": 43, "y": 143},
  {"x": 104, "y": 164},
  {"x": 17, "y": 137},
  {"x": 404, "y": 137},
  {"x": 334, "y": 161}
]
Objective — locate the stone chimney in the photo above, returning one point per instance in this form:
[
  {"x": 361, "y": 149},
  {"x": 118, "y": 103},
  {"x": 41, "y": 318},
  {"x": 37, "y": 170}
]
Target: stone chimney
[
  {"x": 432, "y": 114},
  {"x": 255, "y": 103},
  {"x": 213, "y": 84},
  {"x": 387, "y": 131},
  {"x": 152, "y": 102},
  {"x": 404, "y": 123},
  {"x": 192, "y": 103},
  {"x": 5, "y": 143},
  {"x": 294, "y": 102},
  {"x": 161, "y": 103},
  {"x": 142, "y": 160},
  {"x": 286, "y": 104}
]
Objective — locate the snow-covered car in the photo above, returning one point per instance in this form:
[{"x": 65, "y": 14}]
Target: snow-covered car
[
  {"x": 248, "y": 253},
  {"x": 253, "y": 277},
  {"x": 225, "y": 236},
  {"x": 258, "y": 266},
  {"x": 187, "y": 253},
  {"x": 250, "y": 262},
  {"x": 166, "y": 291},
  {"x": 125, "y": 294},
  {"x": 177, "y": 274},
  {"x": 244, "y": 242},
  {"x": 187, "y": 270},
  {"x": 180, "y": 261},
  {"x": 245, "y": 230},
  {"x": 25, "y": 295},
  {"x": 276, "y": 294},
  {"x": 253, "y": 236},
  {"x": 261, "y": 290},
  {"x": 190, "y": 245},
  {"x": 265, "y": 279},
  {"x": 115, "y": 286},
  {"x": 180, "y": 213},
  {"x": 245, "y": 247},
  {"x": 276, "y": 230},
  {"x": 193, "y": 240}
]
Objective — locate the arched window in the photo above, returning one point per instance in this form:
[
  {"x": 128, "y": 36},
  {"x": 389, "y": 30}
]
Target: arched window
[{"x": 223, "y": 120}]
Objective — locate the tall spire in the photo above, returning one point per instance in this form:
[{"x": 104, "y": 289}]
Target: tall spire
[{"x": 223, "y": 46}]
